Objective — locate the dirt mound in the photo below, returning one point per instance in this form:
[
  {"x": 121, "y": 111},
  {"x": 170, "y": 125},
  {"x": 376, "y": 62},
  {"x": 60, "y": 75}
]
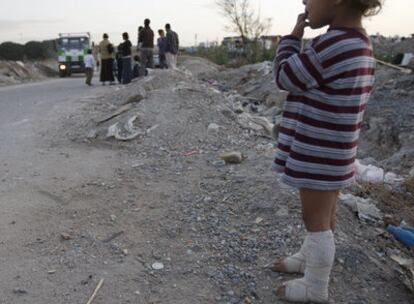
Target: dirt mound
[
  {"x": 214, "y": 226},
  {"x": 15, "y": 72},
  {"x": 388, "y": 131},
  {"x": 199, "y": 67}
]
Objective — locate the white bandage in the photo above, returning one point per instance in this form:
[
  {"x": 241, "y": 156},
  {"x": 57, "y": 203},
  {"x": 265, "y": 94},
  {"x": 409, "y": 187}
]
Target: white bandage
[
  {"x": 296, "y": 263},
  {"x": 320, "y": 254}
]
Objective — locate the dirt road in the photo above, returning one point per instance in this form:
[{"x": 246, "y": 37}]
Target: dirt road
[{"x": 35, "y": 174}]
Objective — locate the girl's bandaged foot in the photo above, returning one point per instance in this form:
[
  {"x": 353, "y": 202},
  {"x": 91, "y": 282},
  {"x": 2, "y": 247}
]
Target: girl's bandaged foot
[
  {"x": 320, "y": 253},
  {"x": 299, "y": 291},
  {"x": 293, "y": 264}
]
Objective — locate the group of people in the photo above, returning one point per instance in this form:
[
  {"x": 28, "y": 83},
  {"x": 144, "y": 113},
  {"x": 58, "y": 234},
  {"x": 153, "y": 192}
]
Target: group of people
[{"x": 120, "y": 63}]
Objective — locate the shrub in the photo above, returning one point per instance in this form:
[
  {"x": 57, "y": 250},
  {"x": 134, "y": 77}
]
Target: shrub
[{"x": 11, "y": 51}]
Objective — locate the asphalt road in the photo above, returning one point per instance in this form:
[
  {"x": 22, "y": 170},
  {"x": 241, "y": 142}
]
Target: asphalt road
[{"x": 36, "y": 169}]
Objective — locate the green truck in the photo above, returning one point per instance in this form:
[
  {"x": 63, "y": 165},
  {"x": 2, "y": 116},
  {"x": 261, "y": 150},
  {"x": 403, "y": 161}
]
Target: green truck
[{"x": 71, "y": 50}]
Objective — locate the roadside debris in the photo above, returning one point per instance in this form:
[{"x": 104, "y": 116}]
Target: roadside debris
[
  {"x": 96, "y": 291},
  {"x": 404, "y": 234},
  {"x": 157, "y": 266},
  {"x": 408, "y": 266},
  {"x": 118, "y": 112},
  {"x": 65, "y": 236},
  {"x": 232, "y": 157},
  {"x": 124, "y": 131},
  {"x": 373, "y": 174},
  {"x": 364, "y": 208}
]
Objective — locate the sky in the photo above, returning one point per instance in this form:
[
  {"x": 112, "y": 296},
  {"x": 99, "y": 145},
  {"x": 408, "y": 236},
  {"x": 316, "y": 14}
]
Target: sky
[{"x": 194, "y": 20}]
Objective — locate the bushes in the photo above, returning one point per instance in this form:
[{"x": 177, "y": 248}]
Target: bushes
[
  {"x": 32, "y": 50},
  {"x": 216, "y": 54},
  {"x": 11, "y": 51},
  {"x": 254, "y": 52}
]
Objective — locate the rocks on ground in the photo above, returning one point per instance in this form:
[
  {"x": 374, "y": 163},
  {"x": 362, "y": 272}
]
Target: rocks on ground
[{"x": 200, "y": 230}]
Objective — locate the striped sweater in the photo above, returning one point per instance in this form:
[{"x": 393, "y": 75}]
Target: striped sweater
[{"x": 329, "y": 85}]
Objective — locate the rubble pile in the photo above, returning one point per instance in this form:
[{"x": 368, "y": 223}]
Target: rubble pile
[
  {"x": 388, "y": 132},
  {"x": 204, "y": 139},
  {"x": 15, "y": 72}
]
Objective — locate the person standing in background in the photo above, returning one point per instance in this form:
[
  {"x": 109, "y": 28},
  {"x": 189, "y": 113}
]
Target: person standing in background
[
  {"x": 140, "y": 28},
  {"x": 162, "y": 43},
  {"x": 118, "y": 59},
  {"x": 146, "y": 41},
  {"x": 106, "y": 51},
  {"x": 126, "y": 52},
  {"x": 172, "y": 47},
  {"x": 90, "y": 64}
]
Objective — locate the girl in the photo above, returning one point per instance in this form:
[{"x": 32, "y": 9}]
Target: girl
[{"x": 329, "y": 84}]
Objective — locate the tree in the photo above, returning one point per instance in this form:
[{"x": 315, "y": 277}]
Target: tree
[{"x": 243, "y": 19}]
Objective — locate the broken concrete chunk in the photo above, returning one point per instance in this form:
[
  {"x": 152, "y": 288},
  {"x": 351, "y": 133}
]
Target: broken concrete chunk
[
  {"x": 65, "y": 236},
  {"x": 232, "y": 157},
  {"x": 157, "y": 266},
  {"x": 213, "y": 128}
]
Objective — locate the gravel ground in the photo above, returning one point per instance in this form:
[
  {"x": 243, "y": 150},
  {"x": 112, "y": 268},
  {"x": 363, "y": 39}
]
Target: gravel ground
[{"x": 212, "y": 228}]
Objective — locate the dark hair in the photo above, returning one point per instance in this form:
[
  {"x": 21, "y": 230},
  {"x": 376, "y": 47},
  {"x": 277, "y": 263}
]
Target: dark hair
[
  {"x": 105, "y": 36},
  {"x": 368, "y": 7},
  {"x": 147, "y": 22},
  {"x": 140, "y": 28},
  {"x": 136, "y": 58},
  {"x": 160, "y": 31},
  {"x": 168, "y": 26},
  {"x": 125, "y": 36},
  {"x": 89, "y": 51}
]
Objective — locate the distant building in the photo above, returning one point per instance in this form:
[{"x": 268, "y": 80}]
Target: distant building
[
  {"x": 270, "y": 41},
  {"x": 233, "y": 43},
  {"x": 236, "y": 42}
]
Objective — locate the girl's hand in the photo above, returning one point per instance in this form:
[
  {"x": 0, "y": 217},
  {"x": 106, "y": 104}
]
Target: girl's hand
[{"x": 299, "y": 29}]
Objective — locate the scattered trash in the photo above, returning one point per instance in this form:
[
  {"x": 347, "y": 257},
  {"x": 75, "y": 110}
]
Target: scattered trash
[
  {"x": 403, "y": 70},
  {"x": 408, "y": 266},
  {"x": 373, "y": 174},
  {"x": 213, "y": 128},
  {"x": 406, "y": 60},
  {"x": 96, "y": 291},
  {"x": 192, "y": 153},
  {"x": 118, "y": 112},
  {"x": 365, "y": 208},
  {"x": 258, "y": 220},
  {"x": 403, "y": 234},
  {"x": 20, "y": 291},
  {"x": 232, "y": 157},
  {"x": 126, "y": 132},
  {"x": 65, "y": 236},
  {"x": 219, "y": 163},
  {"x": 153, "y": 128},
  {"x": 113, "y": 237},
  {"x": 157, "y": 266}
]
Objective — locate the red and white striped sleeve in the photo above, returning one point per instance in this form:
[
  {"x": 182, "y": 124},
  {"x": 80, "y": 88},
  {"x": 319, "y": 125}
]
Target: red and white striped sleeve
[{"x": 297, "y": 71}]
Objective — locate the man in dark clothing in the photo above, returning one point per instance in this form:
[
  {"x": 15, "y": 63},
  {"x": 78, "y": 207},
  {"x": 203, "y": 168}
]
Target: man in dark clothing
[
  {"x": 125, "y": 50},
  {"x": 146, "y": 44},
  {"x": 162, "y": 43},
  {"x": 118, "y": 58},
  {"x": 172, "y": 47}
]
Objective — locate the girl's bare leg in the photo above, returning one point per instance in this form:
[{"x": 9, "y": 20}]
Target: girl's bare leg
[{"x": 318, "y": 209}]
